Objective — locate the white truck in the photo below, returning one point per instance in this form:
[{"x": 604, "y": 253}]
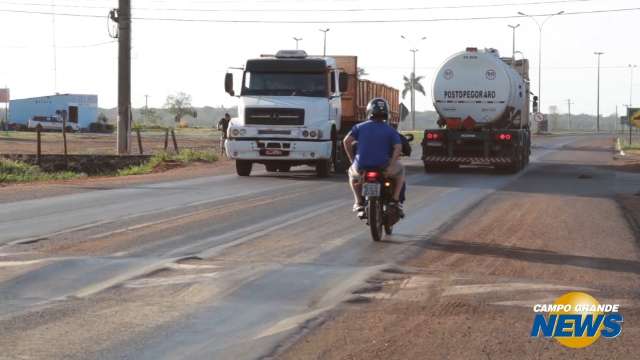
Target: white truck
[
  {"x": 294, "y": 109},
  {"x": 483, "y": 105}
]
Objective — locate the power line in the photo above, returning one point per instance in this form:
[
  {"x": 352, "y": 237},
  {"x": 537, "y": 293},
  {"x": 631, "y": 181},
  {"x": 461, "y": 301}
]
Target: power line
[
  {"x": 444, "y": 7},
  {"x": 226, "y": 21},
  {"x": 59, "y": 47}
]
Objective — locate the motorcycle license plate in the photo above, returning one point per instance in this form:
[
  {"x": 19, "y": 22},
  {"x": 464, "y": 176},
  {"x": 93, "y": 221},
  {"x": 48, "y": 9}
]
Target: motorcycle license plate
[{"x": 371, "y": 189}]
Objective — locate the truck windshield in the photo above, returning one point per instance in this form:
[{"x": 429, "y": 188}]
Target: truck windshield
[{"x": 285, "y": 84}]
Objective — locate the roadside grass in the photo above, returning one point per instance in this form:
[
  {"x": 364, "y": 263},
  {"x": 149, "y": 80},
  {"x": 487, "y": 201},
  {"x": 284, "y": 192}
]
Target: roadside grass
[
  {"x": 165, "y": 160},
  {"x": 18, "y": 172}
]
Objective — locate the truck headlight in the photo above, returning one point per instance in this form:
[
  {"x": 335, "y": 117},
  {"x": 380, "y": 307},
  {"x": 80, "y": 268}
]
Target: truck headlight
[
  {"x": 243, "y": 131},
  {"x": 305, "y": 133},
  {"x": 235, "y": 132},
  {"x": 313, "y": 133}
]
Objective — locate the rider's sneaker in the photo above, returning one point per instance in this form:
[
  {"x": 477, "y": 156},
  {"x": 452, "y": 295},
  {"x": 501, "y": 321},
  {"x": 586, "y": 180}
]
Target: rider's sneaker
[
  {"x": 398, "y": 207},
  {"x": 359, "y": 209}
]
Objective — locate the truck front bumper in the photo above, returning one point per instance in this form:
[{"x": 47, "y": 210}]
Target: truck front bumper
[{"x": 268, "y": 149}]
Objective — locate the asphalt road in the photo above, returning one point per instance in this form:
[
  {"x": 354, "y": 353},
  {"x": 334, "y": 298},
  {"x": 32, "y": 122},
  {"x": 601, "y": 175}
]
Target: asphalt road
[{"x": 218, "y": 267}]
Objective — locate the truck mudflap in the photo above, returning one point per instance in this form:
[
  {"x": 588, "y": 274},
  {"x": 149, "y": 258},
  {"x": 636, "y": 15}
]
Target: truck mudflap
[{"x": 438, "y": 159}]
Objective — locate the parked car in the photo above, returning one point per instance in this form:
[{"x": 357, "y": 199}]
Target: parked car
[{"x": 50, "y": 123}]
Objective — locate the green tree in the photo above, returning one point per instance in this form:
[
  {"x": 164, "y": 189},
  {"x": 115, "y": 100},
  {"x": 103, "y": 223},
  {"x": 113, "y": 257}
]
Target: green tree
[
  {"x": 179, "y": 105},
  {"x": 416, "y": 83}
]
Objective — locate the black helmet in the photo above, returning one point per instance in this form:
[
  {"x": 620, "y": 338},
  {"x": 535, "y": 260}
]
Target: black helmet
[{"x": 378, "y": 109}]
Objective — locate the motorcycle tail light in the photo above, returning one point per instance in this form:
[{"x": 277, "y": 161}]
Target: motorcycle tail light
[{"x": 371, "y": 175}]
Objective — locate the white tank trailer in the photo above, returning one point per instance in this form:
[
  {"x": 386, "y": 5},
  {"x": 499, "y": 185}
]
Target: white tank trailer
[{"x": 483, "y": 105}]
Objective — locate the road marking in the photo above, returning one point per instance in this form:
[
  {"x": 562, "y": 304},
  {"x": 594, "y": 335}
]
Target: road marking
[
  {"x": 501, "y": 287},
  {"x": 20, "y": 263},
  {"x": 167, "y": 281}
]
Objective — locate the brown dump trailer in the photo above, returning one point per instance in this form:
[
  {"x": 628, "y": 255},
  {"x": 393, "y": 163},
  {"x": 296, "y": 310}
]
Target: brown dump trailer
[{"x": 356, "y": 98}]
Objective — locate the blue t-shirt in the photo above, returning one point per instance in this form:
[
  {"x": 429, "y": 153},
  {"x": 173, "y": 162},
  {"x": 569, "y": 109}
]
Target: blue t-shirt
[{"x": 375, "y": 143}]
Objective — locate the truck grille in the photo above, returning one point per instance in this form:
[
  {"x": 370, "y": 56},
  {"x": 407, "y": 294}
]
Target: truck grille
[{"x": 274, "y": 116}]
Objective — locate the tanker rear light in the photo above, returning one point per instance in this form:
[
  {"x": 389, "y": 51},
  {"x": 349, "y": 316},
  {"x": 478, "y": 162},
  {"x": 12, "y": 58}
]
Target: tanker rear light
[
  {"x": 433, "y": 136},
  {"x": 504, "y": 137},
  {"x": 472, "y": 49}
]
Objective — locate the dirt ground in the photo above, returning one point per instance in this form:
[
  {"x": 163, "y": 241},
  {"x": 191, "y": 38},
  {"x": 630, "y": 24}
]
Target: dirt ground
[
  {"x": 14, "y": 142},
  {"x": 469, "y": 293}
]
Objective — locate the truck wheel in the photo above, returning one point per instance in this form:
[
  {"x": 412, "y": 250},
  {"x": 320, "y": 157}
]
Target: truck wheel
[
  {"x": 340, "y": 163},
  {"x": 323, "y": 168},
  {"x": 271, "y": 167},
  {"x": 516, "y": 164},
  {"x": 431, "y": 168},
  {"x": 243, "y": 167}
]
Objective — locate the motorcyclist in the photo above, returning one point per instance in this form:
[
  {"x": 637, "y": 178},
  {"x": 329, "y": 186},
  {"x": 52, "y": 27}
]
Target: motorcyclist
[{"x": 379, "y": 146}]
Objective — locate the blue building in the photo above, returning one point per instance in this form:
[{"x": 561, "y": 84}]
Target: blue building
[{"x": 81, "y": 109}]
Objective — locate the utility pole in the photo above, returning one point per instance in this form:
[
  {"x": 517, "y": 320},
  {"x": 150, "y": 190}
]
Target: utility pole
[
  {"x": 540, "y": 26},
  {"x": 414, "y": 50},
  {"x": 598, "y": 54},
  {"x": 631, "y": 67},
  {"x": 297, "y": 39},
  {"x": 124, "y": 75},
  {"x": 325, "y": 31},
  {"x": 569, "y": 103},
  {"x": 513, "y": 54},
  {"x": 146, "y": 108},
  {"x": 55, "y": 46}
]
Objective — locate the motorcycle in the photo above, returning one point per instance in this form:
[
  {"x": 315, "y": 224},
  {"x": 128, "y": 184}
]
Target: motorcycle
[{"x": 377, "y": 191}]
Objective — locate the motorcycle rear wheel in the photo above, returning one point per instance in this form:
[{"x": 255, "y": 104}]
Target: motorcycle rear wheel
[{"x": 375, "y": 218}]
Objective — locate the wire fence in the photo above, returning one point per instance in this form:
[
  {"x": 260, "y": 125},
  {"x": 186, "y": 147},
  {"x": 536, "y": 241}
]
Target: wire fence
[{"x": 152, "y": 142}]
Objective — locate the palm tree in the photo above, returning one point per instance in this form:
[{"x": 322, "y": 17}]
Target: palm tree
[{"x": 416, "y": 85}]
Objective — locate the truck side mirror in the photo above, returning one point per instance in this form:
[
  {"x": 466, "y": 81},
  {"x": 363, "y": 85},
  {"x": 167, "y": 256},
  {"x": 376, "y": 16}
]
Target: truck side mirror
[
  {"x": 228, "y": 84},
  {"x": 344, "y": 82}
]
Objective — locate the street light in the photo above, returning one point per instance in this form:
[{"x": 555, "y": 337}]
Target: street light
[
  {"x": 540, "y": 25},
  {"x": 631, "y": 67},
  {"x": 325, "y": 31},
  {"x": 598, "y": 54},
  {"x": 297, "y": 39},
  {"x": 514, "y": 27},
  {"x": 414, "y": 50}
]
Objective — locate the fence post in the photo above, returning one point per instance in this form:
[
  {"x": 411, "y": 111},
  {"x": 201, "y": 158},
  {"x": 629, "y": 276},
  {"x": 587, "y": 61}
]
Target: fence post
[
  {"x": 39, "y": 143},
  {"x": 64, "y": 140},
  {"x": 166, "y": 139},
  {"x": 175, "y": 143},
  {"x": 139, "y": 140}
]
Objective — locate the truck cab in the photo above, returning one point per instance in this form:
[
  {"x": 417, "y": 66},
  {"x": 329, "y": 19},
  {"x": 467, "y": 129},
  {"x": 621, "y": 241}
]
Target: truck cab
[{"x": 289, "y": 113}]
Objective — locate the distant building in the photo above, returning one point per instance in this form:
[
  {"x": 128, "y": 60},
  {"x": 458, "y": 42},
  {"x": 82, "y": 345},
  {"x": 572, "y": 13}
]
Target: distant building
[{"x": 77, "y": 108}]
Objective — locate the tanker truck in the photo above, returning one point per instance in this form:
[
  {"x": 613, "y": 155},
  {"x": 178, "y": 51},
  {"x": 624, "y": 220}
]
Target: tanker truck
[
  {"x": 295, "y": 109},
  {"x": 482, "y": 101}
]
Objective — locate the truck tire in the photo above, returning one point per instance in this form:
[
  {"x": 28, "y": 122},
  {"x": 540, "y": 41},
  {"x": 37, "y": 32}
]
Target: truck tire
[
  {"x": 243, "y": 167},
  {"x": 323, "y": 168},
  {"x": 271, "y": 167},
  {"x": 341, "y": 162},
  {"x": 517, "y": 163}
]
